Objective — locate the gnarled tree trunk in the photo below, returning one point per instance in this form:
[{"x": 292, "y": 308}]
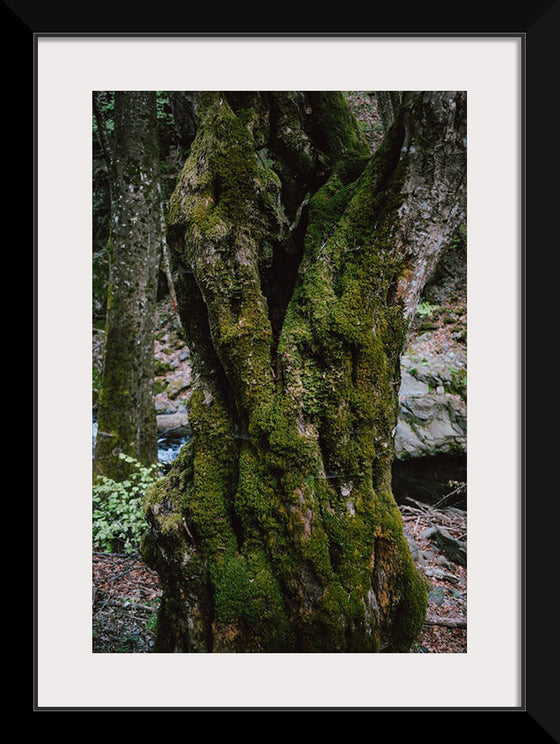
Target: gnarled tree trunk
[{"x": 300, "y": 262}]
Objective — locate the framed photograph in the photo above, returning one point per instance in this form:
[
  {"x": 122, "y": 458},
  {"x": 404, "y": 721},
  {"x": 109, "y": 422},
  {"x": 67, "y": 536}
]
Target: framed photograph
[{"x": 488, "y": 672}]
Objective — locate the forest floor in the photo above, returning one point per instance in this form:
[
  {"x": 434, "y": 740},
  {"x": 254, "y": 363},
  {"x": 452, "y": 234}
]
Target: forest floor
[{"x": 126, "y": 592}]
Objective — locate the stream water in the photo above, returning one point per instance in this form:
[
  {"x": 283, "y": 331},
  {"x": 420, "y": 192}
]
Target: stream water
[
  {"x": 426, "y": 479},
  {"x": 168, "y": 448}
]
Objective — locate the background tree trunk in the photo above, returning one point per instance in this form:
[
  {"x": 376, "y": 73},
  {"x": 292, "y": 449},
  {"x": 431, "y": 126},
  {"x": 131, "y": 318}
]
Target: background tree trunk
[
  {"x": 388, "y": 105},
  {"x": 301, "y": 262},
  {"x": 126, "y": 413}
]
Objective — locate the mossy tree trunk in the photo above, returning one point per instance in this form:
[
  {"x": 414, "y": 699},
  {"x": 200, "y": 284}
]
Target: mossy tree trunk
[
  {"x": 300, "y": 261},
  {"x": 126, "y": 413}
]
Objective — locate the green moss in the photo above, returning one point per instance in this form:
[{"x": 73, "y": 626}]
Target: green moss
[
  {"x": 336, "y": 129},
  {"x": 256, "y": 499},
  {"x": 161, "y": 366},
  {"x": 247, "y": 593},
  {"x": 160, "y": 383},
  {"x": 458, "y": 384},
  {"x": 228, "y": 177},
  {"x": 411, "y": 610}
]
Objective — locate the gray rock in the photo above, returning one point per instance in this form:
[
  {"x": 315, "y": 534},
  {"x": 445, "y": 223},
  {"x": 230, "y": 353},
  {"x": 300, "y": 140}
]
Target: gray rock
[
  {"x": 415, "y": 551},
  {"x": 412, "y": 386},
  {"x": 455, "y": 510},
  {"x": 429, "y": 555},
  {"x": 177, "y": 386},
  {"x": 407, "y": 442},
  {"x": 455, "y": 550},
  {"x": 432, "y": 421},
  {"x": 433, "y": 572},
  {"x": 176, "y": 423},
  {"x": 437, "y": 596},
  {"x": 161, "y": 405}
]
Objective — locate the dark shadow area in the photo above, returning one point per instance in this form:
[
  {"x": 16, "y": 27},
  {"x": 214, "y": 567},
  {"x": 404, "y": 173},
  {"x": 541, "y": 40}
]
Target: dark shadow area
[
  {"x": 278, "y": 281},
  {"x": 438, "y": 480}
]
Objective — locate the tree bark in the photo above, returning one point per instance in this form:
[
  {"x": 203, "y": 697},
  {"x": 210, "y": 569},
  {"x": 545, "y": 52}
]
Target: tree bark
[
  {"x": 126, "y": 412},
  {"x": 388, "y": 105},
  {"x": 184, "y": 106},
  {"x": 302, "y": 261},
  {"x": 104, "y": 140}
]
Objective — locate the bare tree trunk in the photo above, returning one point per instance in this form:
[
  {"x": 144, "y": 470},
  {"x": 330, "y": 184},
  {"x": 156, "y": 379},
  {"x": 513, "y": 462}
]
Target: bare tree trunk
[
  {"x": 126, "y": 413},
  {"x": 388, "y": 105},
  {"x": 276, "y": 529}
]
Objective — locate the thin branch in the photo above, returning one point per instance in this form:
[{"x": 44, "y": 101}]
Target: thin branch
[
  {"x": 446, "y": 622},
  {"x": 169, "y": 277},
  {"x": 126, "y": 570},
  {"x": 299, "y": 211},
  {"x": 422, "y": 507},
  {"x": 460, "y": 487},
  {"x": 126, "y": 604},
  {"x": 115, "y": 555},
  {"x": 165, "y": 259},
  {"x": 140, "y": 606}
]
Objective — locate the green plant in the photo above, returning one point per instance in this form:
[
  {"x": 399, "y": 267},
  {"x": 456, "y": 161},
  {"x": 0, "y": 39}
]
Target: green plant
[
  {"x": 425, "y": 308},
  {"x": 151, "y": 625},
  {"x": 263, "y": 157},
  {"x": 118, "y": 519},
  {"x": 459, "y": 238},
  {"x": 161, "y": 366},
  {"x": 459, "y": 381},
  {"x": 106, "y": 101}
]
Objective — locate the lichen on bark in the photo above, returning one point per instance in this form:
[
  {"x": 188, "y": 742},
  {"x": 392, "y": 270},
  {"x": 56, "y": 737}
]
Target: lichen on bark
[
  {"x": 277, "y": 531},
  {"x": 126, "y": 412}
]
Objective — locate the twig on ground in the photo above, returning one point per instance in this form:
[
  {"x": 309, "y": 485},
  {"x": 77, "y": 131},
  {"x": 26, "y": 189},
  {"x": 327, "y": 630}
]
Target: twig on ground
[
  {"x": 460, "y": 487},
  {"x": 446, "y": 622},
  {"x": 128, "y": 604},
  {"x": 123, "y": 573}
]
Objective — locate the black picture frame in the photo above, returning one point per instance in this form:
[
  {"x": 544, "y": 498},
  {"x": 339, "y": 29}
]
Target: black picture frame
[{"x": 538, "y": 26}]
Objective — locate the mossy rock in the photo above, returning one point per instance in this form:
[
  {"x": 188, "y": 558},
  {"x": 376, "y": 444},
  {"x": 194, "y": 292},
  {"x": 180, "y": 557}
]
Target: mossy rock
[
  {"x": 160, "y": 384},
  {"x": 161, "y": 366},
  {"x": 175, "y": 387}
]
